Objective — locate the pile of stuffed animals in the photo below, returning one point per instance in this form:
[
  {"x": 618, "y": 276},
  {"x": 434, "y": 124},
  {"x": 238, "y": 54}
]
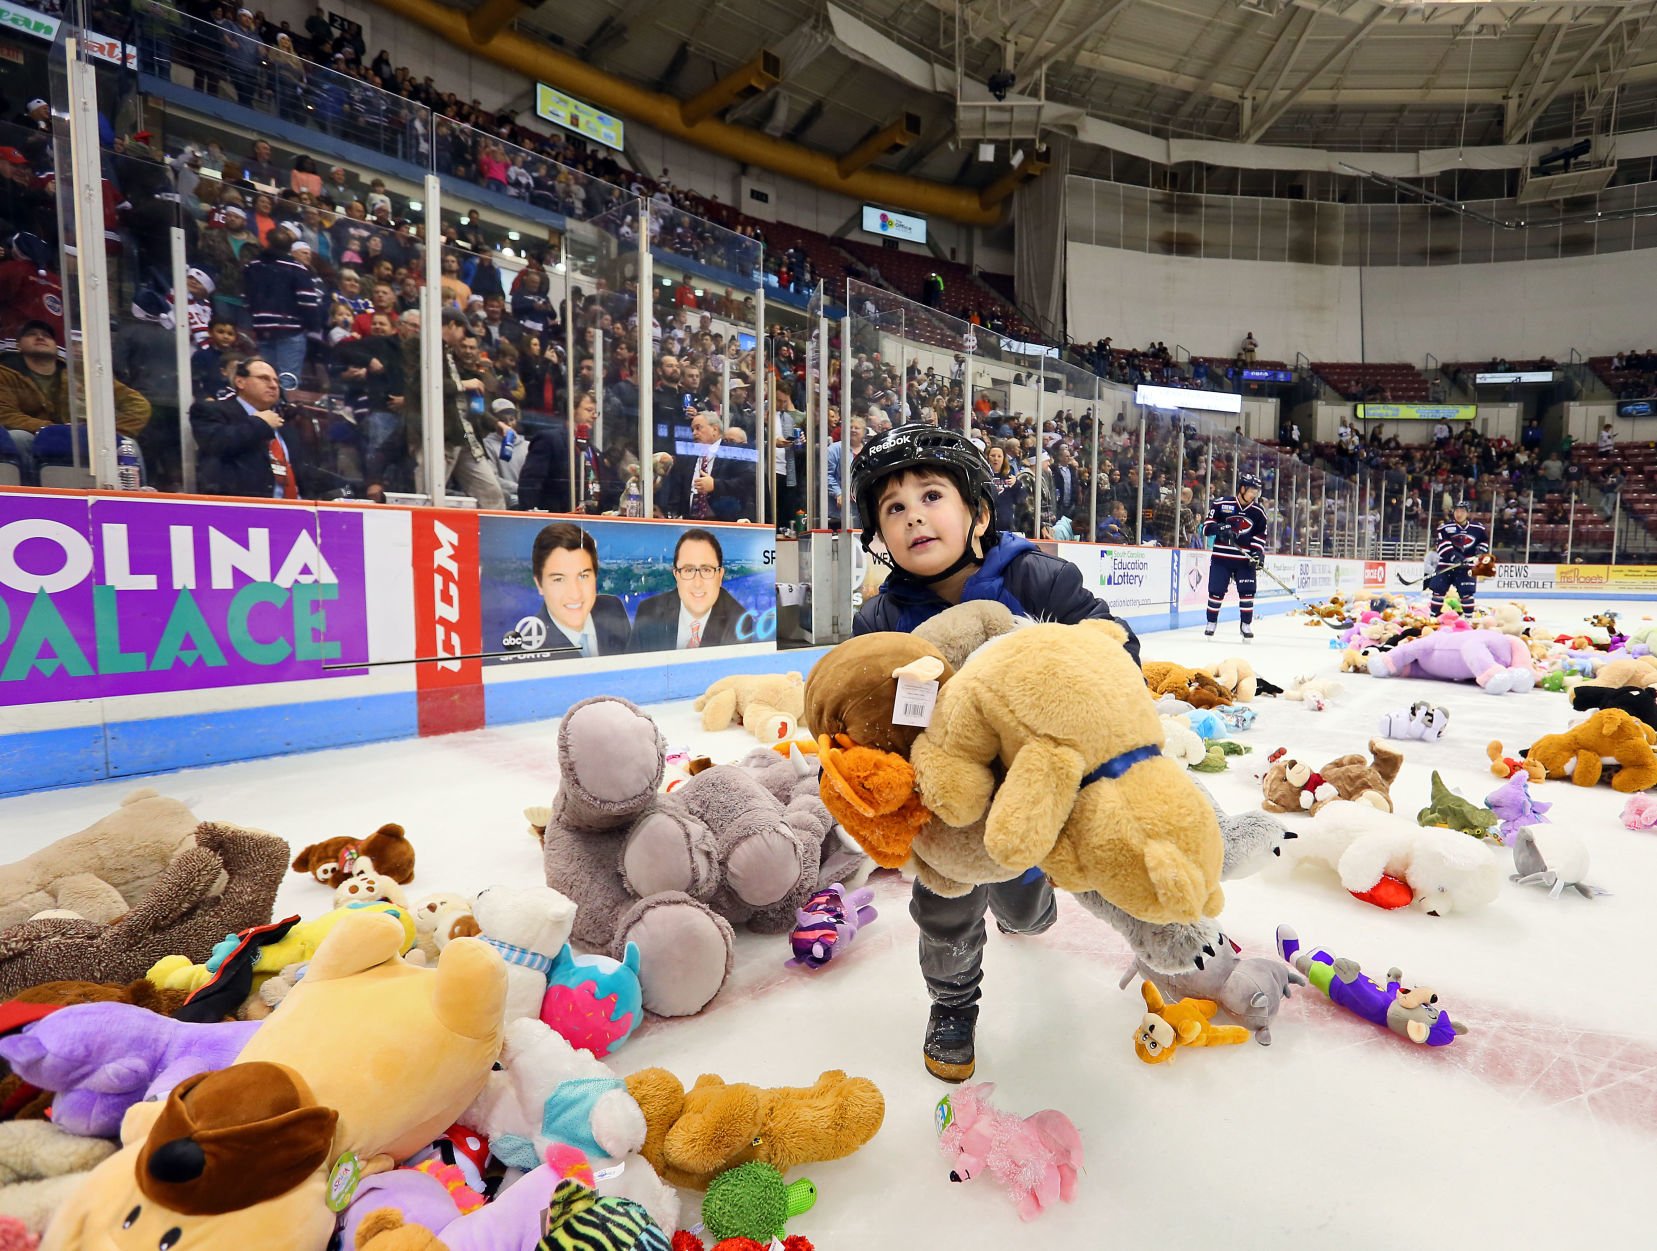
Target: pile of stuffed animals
[
  {"x": 229, "y": 1080},
  {"x": 222, "y": 1078}
]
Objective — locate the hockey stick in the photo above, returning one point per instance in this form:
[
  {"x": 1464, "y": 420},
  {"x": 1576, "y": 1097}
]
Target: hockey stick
[
  {"x": 1294, "y": 595},
  {"x": 539, "y": 653},
  {"x": 1418, "y": 581}
]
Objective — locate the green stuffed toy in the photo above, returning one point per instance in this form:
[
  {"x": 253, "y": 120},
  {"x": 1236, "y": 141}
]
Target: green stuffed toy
[
  {"x": 1217, "y": 758},
  {"x": 1451, "y": 811},
  {"x": 753, "y": 1201}
]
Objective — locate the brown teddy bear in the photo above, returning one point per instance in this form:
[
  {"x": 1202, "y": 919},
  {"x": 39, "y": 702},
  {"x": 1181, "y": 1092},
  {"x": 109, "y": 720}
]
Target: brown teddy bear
[
  {"x": 694, "y": 1135},
  {"x": 768, "y": 705},
  {"x": 383, "y": 1230},
  {"x": 1292, "y": 786},
  {"x": 1087, "y": 793},
  {"x": 105, "y": 870},
  {"x": 1580, "y": 753},
  {"x": 1195, "y": 687},
  {"x": 334, "y": 859},
  {"x": 868, "y": 784}
]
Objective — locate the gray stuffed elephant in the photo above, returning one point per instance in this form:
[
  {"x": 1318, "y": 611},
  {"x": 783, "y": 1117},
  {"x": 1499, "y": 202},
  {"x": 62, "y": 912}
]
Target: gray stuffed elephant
[{"x": 743, "y": 844}]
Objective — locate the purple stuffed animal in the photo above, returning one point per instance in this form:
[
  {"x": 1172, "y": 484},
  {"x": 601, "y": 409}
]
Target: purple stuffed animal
[
  {"x": 830, "y": 919},
  {"x": 1497, "y": 662},
  {"x": 1513, "y": 804},
  {"x": 99, "y": 1059}
]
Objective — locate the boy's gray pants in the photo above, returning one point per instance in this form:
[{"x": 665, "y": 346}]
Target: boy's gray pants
[{"x": 952, "y": 931}]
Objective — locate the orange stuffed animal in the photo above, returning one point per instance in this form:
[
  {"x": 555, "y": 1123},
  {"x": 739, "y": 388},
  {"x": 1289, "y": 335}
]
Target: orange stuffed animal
[
  {"x": 1506, "y": 766},
  {"x": 868, "y": 784},
  {"x": 1166, "y": 1027}
]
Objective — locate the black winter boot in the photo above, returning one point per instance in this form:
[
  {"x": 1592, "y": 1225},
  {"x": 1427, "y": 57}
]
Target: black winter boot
[{"x": 949, "y": 1053}]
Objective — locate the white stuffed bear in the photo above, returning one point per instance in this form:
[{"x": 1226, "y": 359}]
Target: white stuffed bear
[
  {"x": 543, "y": 1084},
  {"x": 367, "y": 886},
  {"x": 529, "y": 926},
  {"x": 1446, "y": 871},
  {"x": 434, "y": 917},
  {"x": 1181, "y": 743}
]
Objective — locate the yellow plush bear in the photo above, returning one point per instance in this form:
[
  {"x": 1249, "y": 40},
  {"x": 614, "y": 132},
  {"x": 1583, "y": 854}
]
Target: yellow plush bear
[
  {"x": 769, "y": 705},
  {"x": 1088, "y": 794}
]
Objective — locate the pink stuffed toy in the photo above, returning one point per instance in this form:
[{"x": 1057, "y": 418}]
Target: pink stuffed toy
[
  {"x": 1036, "y": 1158},
  {"x": 1640, "y": 812},
  {"x": 1499, "y": 663}
]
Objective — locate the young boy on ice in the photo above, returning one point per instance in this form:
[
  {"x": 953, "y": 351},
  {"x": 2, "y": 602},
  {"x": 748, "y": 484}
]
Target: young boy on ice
[{"x": 925, "y": 493}]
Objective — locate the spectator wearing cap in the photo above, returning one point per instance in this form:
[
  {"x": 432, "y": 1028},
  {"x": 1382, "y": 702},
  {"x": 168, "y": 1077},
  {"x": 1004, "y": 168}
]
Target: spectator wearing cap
[
  {"x": 338, "y": 186},
  {"x": 34, "y": 391},
  {"x": 284, "y": 302},
  {"x": 199, "y": 305},
  {"x": 506, "y": 450},
  {"x": 36, "y": 116}
]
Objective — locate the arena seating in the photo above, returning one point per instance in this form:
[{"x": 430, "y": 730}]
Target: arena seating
[{"x": 1401, "y": 383}]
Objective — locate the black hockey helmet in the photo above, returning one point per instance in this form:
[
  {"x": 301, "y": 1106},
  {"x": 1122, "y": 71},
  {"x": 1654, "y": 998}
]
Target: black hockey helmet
[
  {"x": 1251, "y": 480},
  {"x": 913, "y": 446},
  {"x": 1462, "y": 505}
]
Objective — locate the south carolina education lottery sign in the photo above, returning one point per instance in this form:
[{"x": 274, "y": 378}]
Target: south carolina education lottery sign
[{"x": 102, "y": 597}]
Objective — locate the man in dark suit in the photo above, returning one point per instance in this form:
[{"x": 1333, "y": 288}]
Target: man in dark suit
[
  {"x": 701, "y": 612},
  {"x": 240, "y": 445},
  {"x": 708, "y": 482},
  {"x": 573, "y": 614}
]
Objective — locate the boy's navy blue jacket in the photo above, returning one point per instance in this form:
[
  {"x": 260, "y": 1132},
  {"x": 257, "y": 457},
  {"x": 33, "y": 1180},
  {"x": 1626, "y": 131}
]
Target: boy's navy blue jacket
[{"x": 1015, "y": 572}]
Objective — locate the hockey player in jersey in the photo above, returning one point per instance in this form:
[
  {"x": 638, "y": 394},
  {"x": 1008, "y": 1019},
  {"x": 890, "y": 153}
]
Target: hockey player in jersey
[
  {"x": 1457, "y": 545},
  {"x": 1237, "y": 524}
]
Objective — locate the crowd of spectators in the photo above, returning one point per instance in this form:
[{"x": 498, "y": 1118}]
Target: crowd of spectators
[{"x": 317, "y": 271}]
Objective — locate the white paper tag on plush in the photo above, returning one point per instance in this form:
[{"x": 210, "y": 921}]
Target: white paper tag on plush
[
  {"x": 914, "y": 703},
  {"x": 605, "y": 1174}
]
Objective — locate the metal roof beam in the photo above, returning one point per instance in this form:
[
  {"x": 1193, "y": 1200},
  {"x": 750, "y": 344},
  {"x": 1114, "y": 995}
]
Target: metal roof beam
[
  {"x": 1545, "y": 95},
  {"x": 1607, "y": 80},
  {"x": 1028, "y": 73},
  {"x": 1274, "y": 110}
]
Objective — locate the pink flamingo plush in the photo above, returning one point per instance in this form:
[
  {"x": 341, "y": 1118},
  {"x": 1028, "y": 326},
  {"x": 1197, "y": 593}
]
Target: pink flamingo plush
[{"x": 1036, "y": 1158}]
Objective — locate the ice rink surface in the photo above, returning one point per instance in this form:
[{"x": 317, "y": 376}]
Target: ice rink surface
[{"x": 1537, "y": 1129}]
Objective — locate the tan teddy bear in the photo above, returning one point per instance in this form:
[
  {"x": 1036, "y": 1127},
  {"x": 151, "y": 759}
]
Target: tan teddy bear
[
  {"x": 1237, "y": 676},
  {"x": 1195, "y": 687},
  {"x": 1636, "y": 671},
  {"x": 768, "y": 705},
  {"x": 1088, "y": 794}
]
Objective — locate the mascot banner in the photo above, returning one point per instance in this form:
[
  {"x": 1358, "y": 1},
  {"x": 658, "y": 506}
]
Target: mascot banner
[{"x": 110, "y": 596}]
